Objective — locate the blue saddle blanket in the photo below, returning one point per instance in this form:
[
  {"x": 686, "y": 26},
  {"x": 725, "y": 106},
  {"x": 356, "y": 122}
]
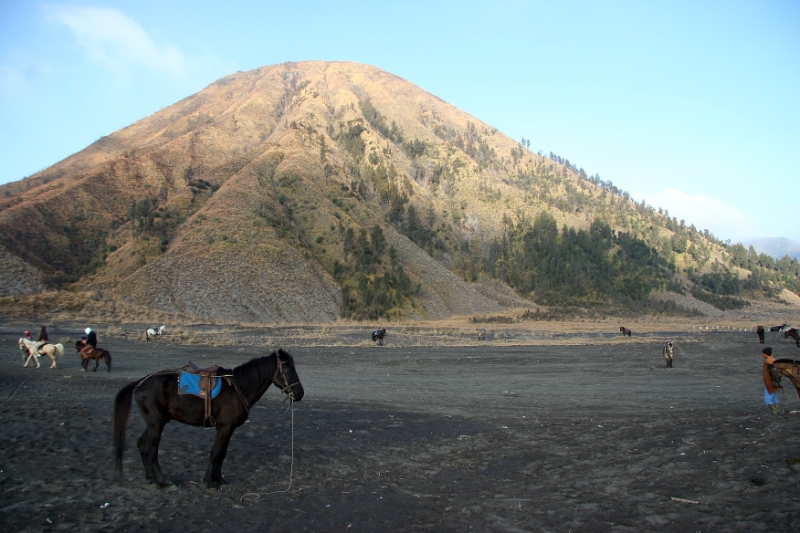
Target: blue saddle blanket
[{"x": 189, "y": 383}]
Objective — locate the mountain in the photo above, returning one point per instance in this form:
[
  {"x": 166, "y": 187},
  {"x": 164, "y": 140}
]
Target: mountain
[{"x": 305, "y": 192}]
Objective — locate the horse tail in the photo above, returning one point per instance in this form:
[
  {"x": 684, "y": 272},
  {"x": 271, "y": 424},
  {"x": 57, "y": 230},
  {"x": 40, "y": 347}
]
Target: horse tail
[
  {"x": 119, "y": 422},
  {"x": 59, "y": 349},
  {"x": 107, "y": 357}
]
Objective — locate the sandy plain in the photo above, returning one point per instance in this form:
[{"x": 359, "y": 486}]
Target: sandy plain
[{"x": 573, "y": 430}]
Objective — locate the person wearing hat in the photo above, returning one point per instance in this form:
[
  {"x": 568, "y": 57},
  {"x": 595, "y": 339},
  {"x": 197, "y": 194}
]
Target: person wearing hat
[
  {"x": 771, "y": 387},
  {"x": 27, "y": 335},
  {"x": 91, "y": 341}
]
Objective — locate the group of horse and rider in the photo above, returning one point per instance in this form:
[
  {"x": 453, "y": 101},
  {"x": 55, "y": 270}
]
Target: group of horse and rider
[
  {"x": 775, "y": 369},
  {"x": 86, "y": 346},
  {"x": 173, "y": 395}
]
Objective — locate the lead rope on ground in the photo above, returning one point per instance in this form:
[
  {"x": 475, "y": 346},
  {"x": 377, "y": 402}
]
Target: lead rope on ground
[{"x": 291, "y": 468}]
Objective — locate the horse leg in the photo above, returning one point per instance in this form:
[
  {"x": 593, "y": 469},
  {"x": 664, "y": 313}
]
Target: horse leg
[
  {"x": 96, "y": 364},
  {"x": 148, "y": 447},
  {"x": 53, "y": 357},
  {"x": 213, "y": 477}
]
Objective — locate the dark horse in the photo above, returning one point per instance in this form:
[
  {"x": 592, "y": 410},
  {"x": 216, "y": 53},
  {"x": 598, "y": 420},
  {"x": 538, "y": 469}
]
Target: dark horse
[
  {"x": 625, "y": 331},
  {"x": 97, "y": 354},
  {"x": 793, "y": 334},
  {"x": 778, "y": 328},
  {"x": 760, "y": 331},
  {"x": 159, "y": 402},
  {"x": 378, "y": 335}
]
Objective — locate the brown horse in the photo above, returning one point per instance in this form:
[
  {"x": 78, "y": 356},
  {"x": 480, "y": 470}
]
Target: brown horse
[
  {"x": 788, "y": 368},
  {"x": 624, "y": 331},
  {"x": 793, "y": 334},
  {"x": 760, "y": 331},
  {"x": 96, "y": 355}
]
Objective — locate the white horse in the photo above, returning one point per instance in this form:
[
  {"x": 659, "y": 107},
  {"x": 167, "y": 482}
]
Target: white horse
[
  {"x": 153, "y": 332},
  {"x": 34, "y": 352}
]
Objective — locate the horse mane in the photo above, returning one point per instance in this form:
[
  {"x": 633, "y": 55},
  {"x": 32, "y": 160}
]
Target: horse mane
[
  {"x": 252, "y": 375},
  {"x": 789, "y": 361}
]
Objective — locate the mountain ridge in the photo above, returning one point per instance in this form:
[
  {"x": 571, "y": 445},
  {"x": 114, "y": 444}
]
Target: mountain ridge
[{"x": 316, "y": 190}]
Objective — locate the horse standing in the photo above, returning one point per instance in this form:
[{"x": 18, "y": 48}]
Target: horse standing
[
  {"x": 669, "y": 352},
  {"x": 624, "y": 331},
  {"x": 793, "y": 334},
  {"x": 154, "y": 332},
  {"x": 378, "y": 335},
  {"x": 760, "y": 331},
  {"x": 778, "y": 328},
  {"x": 481, "y": 334},
  {"x": 159, "y": 402},
  {"x": 50, "y": 350}
]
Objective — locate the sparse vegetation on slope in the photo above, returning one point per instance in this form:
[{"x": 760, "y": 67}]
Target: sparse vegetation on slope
[{"x": 265, "y": 197}]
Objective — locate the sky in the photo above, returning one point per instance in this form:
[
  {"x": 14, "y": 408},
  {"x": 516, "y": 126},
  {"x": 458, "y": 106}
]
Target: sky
[{"x": 692, "y": 106}]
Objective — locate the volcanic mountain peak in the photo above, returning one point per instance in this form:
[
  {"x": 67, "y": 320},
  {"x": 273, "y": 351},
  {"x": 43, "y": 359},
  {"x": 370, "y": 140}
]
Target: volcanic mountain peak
[{"x": 304, "y": 192}]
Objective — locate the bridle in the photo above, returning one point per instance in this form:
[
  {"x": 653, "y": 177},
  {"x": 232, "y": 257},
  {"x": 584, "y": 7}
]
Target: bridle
[{"x": 286, "y": 387}]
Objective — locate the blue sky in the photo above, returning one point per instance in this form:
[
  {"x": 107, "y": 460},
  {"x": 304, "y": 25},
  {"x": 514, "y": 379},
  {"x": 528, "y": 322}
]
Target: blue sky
[{"x": 693, "y": 106}]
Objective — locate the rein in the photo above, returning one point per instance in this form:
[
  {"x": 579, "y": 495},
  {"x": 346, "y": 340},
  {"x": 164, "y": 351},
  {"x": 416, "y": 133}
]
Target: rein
[
  {"x": 291, "y": 467},
  {"x": 286, "y": 388},
  {"x": 289, "y": 396}
]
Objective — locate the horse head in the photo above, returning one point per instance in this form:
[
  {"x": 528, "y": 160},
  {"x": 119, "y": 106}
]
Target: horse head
[{"x": 286, "y": 377}]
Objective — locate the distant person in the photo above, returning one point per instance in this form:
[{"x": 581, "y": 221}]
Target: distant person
[
  {"x": 771, "y": 387},
  {"x": 44, "y": 338},
  {"x": 91, "y": 342}
]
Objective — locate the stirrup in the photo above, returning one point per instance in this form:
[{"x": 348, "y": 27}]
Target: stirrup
[{"x": 209, "y": 422}]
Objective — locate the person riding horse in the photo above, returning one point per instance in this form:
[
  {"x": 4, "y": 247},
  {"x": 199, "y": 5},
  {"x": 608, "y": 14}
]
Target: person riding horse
[
  {"x": 43, "y": 339},
  {"x": 91, "y": 343}
]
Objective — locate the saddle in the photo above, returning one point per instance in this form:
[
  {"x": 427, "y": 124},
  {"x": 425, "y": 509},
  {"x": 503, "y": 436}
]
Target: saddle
[
  {"x": 204, "y": 383},
  {"x": 41, "y": 347}
]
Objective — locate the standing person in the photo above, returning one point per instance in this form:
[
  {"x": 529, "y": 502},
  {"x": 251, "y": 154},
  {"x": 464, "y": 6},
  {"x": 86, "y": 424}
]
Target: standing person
[{"x": 770, "y": 387}]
